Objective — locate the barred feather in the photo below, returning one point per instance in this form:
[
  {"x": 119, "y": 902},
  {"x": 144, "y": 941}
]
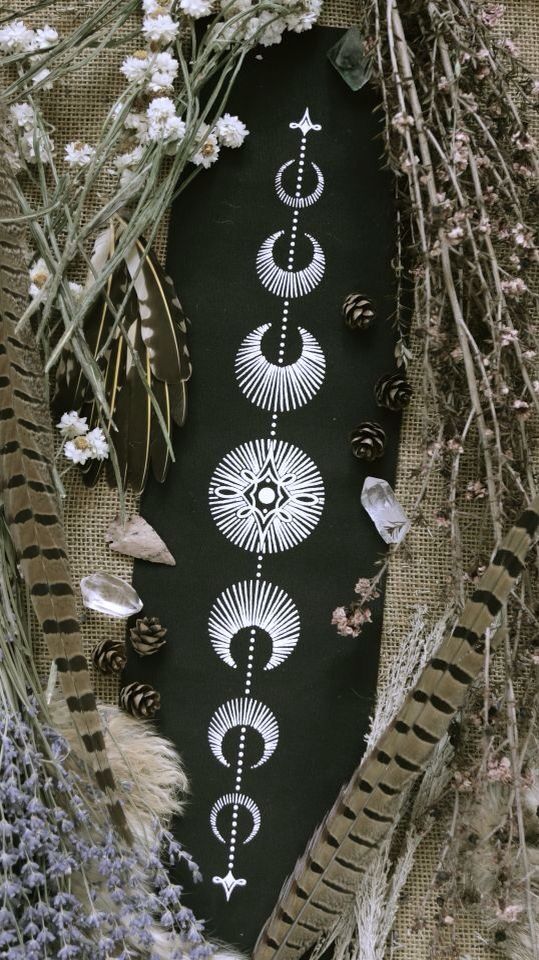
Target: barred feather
[
  {"x": 325, "y": 878},
  {"x": 30, "y": 500},
  {"x": 156, "y": 328}
]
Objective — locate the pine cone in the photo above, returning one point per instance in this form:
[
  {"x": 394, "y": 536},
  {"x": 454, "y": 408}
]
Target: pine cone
[
  {"x": 368, "y": 441},
  {"x": 393, "y": 391},
  {"x": 147, "y": 636},
  {"x": 357, "y": 311},
  {"x": 109, "y": 656},
  {"x": 140, "y": 700}
]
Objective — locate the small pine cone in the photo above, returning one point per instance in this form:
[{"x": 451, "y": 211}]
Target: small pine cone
[
  {"x": 109, "y": 656},
  {"x": 393, "y": 391},
  {"x": 147, "y": 636},
  {"x": 140, "y": 700},
  {"x": 368, "y": 441},
  {"x": 357, "y": 311}
]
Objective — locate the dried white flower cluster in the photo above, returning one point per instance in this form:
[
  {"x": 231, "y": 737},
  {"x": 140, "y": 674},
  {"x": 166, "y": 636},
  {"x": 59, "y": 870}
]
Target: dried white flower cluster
[
  {"x": 39, "y": 276},
  {"x": 81, "y": 444},
  {"x": 154, "y": 71},
  {"x": 34, "y": 143},
  {"x": 17, "y": 38}
]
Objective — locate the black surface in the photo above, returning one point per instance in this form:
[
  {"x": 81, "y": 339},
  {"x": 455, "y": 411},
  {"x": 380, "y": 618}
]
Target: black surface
[{"x": 322, "y": 694}]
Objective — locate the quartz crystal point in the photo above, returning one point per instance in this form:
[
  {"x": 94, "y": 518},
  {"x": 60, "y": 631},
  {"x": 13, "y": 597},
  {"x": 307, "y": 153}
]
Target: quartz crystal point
[
  {"x": 108, "y": 594},
  {"x": 384, "y": 510}
]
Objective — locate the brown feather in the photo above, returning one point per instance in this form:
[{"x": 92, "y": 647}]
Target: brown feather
[
  {"x": 158, "y": 332},
  {"x": 30, "y": 500},
  {"x": 326, "y": 877}
]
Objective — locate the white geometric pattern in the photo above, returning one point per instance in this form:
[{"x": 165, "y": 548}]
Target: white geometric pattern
[
  {"x": 298, "y": 203},
  {"x": 243, "y": 712},
  {"x": 254, "y": 603},
  {"x": 279, "y": 388},
  {"x": 289, "y": 283},
  {"x": 235, "y": 800},
  {"x": 266, "y": 496}
]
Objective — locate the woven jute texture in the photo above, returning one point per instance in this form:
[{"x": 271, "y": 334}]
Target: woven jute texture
[{"x": 77, "y": 109}]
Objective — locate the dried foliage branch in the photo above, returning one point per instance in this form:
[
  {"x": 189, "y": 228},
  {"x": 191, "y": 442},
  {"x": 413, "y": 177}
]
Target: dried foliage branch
[{"x": 456, "y": 105}]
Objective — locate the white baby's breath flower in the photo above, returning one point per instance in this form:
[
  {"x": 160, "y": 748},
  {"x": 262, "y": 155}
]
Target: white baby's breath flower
[
  {"x": 138, "y": 123},
  {"x": 124, "y": 161},
  {"x": 160, "y": 28},
  {"x": 231, "y": 131},
  {"x": 37, "y": 145},
  {"x": 266, "y": 28},
  {"x": 78, "y": 154},
  {"x": 45, "y": 37},
  {"x": 196, "y": 8},
  {"x": 76, "y": 289},
  {"x": 207, "y": 150},
  {"x": 90, "y": 446},
  {"x": 71, "y": 425},
  {"x": 163, "y": 123},
  {"x": 164, "y": 69},
  {"x": 23, "y": 115},
  {"x": 16, "y": 37},
  {"x": 39, "y": 277},
  {"x": 98, "y": 443},
  {"x": 78, "y": 450},
  {"x": 306, "y": 18},
  {"x": 135, "y": 68}
]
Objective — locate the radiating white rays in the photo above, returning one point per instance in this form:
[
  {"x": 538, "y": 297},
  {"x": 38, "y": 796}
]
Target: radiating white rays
[
  {"x": 235, "y": 800},
  {"x": 279, "y": 387},
  {"x": 266, "y": 496},
  {"x": 243, "y": 712},
  {"x": 254, "y": 603},
  {"x": 299, "y": 202},
  {"x": 289, "y": 283}
]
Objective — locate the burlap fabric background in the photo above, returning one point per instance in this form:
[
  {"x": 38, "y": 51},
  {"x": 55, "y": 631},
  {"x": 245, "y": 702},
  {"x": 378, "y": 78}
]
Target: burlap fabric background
[{"x": 78, "y": 106}]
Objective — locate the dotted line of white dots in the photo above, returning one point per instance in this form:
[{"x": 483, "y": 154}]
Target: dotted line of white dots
[{"x": 273, "y": 431}]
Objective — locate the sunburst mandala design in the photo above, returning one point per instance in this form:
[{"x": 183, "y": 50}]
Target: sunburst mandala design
[
  {"x": 266, "y": 496},
  {"x": 260, "y": 604},
  {"x": 274, "y": 387}
]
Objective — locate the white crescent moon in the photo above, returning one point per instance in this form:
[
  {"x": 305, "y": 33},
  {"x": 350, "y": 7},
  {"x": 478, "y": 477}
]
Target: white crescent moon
[
  {"x": 289, "y": 283},
  {"x": 299, "y": 202},
  {"x": 235, "y": 800},
  {"x": 243, "y": 712},
  {"x": 254, "y": 603},
  {"x": 274, "y": 387}
]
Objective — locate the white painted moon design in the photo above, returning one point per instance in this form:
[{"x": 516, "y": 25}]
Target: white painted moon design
[
  {"x": 254, "y": 603},
  {"x": 235, "y": 800},
  {"x": 289, "y": 283},
  {"x": 266, "y": 496},
  {"x": 276, "y": 387},
  {"x": 299, "y": 202},
  {"x": 243, "y": 712}
]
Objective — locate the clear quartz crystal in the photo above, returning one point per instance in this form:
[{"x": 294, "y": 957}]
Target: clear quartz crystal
[
  {"x": 384, "y": 510},
  {"x": 110, "y": 595}
]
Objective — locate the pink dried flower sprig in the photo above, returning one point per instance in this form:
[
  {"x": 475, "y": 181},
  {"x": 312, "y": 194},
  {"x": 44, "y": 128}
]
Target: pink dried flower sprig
[{"x": 351, "y": 619}]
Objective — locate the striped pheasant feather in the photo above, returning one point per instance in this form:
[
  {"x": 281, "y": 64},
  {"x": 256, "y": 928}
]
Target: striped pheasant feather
[
  {"x": 326, "y": 877},
  {"x": 30, "y": 500}
]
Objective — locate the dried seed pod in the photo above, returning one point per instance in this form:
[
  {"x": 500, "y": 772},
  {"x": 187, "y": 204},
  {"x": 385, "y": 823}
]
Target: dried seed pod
[
  {"x": 357, "y": 311},
  {"x": 140, "y": 700},
  {"x": 393, "y": 391},
  {"x": 109, "y": 656},
  {"x": 147, "y": 636},
  {"x": 368, "y": 441}
]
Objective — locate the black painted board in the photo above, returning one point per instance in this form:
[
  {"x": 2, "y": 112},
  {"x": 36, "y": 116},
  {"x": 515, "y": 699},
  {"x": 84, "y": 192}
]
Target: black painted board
[{"x": 298, "y": 727}]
